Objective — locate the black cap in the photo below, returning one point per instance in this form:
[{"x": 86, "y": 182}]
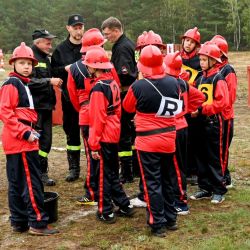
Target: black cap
[
  {"x": 42, "y": 34},
  {"x": 75, "y": 19}
]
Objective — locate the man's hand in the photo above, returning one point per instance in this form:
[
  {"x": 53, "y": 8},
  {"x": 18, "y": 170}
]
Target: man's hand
[
  {"x": 67, "y": 67},
  {"x": 56, "y": 82},
  {"x": 95, "y": 155}
]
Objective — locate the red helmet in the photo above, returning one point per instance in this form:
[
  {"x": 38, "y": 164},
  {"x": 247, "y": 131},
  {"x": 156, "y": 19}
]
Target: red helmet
[
  {"x": 151, "y": 61},
  {"x": 211, "y": 50},
  {"x": 173, "y": 63},
  {"x": 141, "y": 41},
  {"x": 92, "y": 37},
  {"x": 193, "y": 34},
  {"x": 154, "y": 39},
  {"x": 23, "y": 51},
  {"x": 97, "y": 58},
  {"x": 221, "y": 42}
]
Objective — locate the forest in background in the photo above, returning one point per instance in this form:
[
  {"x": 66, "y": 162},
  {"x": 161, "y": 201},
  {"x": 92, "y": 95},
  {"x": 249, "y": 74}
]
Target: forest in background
[{"x": 169, "y": 18}]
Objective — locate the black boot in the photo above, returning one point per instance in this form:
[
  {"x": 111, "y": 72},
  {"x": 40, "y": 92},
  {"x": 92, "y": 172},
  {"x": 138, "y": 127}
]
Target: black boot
[
  {"x": 126, "y": 175},
  {"x": 44, "y": 168},
  {"x": 74, "y": 165}
]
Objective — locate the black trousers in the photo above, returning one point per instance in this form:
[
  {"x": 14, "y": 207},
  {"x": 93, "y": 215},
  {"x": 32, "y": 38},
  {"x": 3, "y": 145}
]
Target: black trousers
[
  {"x": 71, "y": 124},
  {"x": 45, "y": 125},
  {"x": 227, "y": 139},
  {"x": 158, "y": 188},
  {"x": 92, "y": 174},
  {"x": 126, "y": 140},
  {"x": 110, "y": 188},
  {"x": 179, "y": 167},
  {"x": 210, "y": 171},
  {"x": 25, "y": 193}
]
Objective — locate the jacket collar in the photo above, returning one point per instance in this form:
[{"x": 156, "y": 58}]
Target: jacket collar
[
  {"x": 22, "y": 78},
  {"x": 190, "y": 55},
  {"x": 38, "y": 51},
  {"x": 214, "y": 70}
]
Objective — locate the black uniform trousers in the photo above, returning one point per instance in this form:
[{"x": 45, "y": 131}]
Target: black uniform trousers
[
  {"x": 125, "y": 143},
  {"x": 179, "y": 167},
  {"x": 110, "y": 188},
  {"x": 92, "y": 174},
  {"x": 193, "y": 144},
  {"x": 44, "y": 124},
  {"x": 70, "y": 123},
  {"x": 158, "y": 188},
  {"x": 210, "y": 171},
  {"x": 227, "y": 139},
  {"x": 25, "y": 194}
]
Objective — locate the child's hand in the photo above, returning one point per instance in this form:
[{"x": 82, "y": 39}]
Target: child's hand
[
  {"x": 33, "y": 136},
  {"x": 95, "y": 155},
  {"x": 195, "y": 114}
]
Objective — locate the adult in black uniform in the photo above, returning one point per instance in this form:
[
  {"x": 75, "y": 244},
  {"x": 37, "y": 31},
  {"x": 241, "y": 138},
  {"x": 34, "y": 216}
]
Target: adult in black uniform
[
  {"x": 123, "y": 58},
  {"x": 63, "y": 56},
  {"x": 41, "y": 87}
]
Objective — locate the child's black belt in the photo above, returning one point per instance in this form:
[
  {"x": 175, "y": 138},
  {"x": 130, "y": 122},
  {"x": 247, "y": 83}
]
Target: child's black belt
[
  {"x": 155, "y": 131},
  {"x": 31, "y": 124}
]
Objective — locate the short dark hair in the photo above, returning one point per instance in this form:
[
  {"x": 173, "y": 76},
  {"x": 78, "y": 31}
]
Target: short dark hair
[{"x": 112, "y": 23}]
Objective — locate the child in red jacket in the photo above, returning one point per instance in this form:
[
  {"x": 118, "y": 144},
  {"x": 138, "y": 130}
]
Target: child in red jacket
[
  {"x": 191, "y": 41},
  {"x": 213, "y": 85},
  {"x": 104, "y": 134},
  {"x": 192, "y": 98},
  {"x": 229, "y": 74},
  {"x": 20, "y": 143}
]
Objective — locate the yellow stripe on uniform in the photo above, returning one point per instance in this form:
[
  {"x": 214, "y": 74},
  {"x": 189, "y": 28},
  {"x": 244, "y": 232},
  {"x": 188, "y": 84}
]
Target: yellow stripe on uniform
[
  {"x": 41, "y": 65},
  {"x": 42, "y": 153},
  {"x": 125, "y": 153},
  {"x": 73, "y": 148}
]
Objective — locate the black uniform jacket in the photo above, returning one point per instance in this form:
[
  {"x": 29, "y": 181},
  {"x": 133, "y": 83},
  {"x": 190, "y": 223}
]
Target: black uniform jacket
[
  {"x": 123, "y": 58},
  {"x": 40, "y": 87}
]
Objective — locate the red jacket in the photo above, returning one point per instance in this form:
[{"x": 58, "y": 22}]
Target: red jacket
[
  {"x": 214, "y": 86},
  {"x": 16, "y": 104},
  {"x": 79, "y": 85},
  {"x": 229, "y": 74},
  {"x": 193, "y": 98},
  {"x": 105, "y": 112},
  {"x": 154, "y": 133}
]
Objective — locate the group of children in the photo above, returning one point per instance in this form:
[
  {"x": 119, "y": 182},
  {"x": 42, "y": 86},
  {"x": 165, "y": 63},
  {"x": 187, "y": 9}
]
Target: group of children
[{"x": 183, "y": 105}]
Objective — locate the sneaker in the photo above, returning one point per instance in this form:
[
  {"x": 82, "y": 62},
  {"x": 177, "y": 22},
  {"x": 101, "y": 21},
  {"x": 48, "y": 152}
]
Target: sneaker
[
  {"x": 20, "y": 229},
  {"x": 83, "y": 200},
  {"x": 201, "y": 194},
  {"x": 136, "y": 202},
  {"x": 46, "y": 231},
  {"x": 182, "y": 209},
  {"x": 159, "y": 232},
  {"x": 171, "y": 226},
  {"x": 108, "y": 218},
  {"x": 129, "y": 211},
  {"x": 217, "y": 198},
  {"x": 229, "y": 186}
]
